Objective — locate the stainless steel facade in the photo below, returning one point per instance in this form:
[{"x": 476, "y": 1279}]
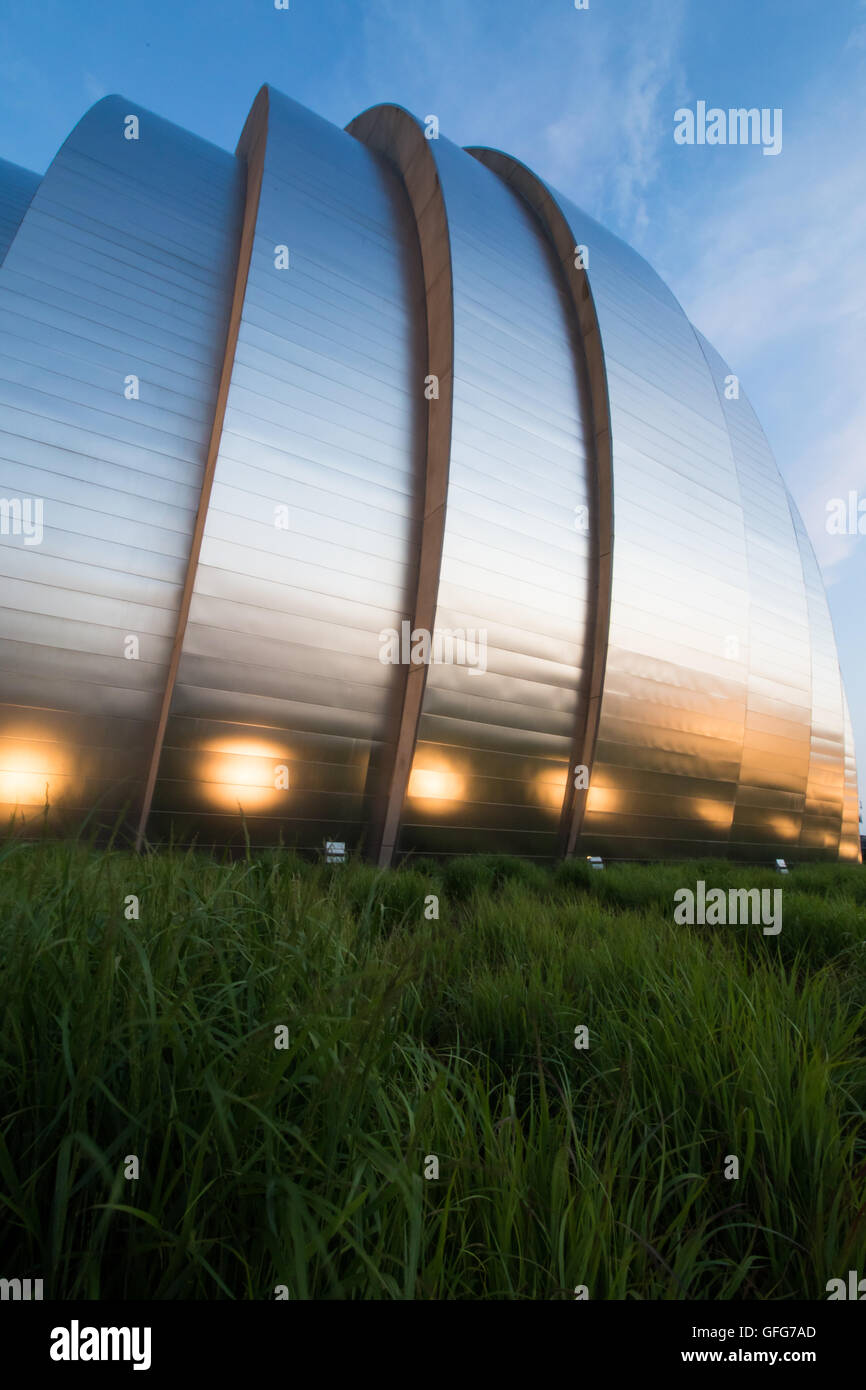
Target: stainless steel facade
[
  {"x": 493, "y": 744},
  {"x": 17, "y": 187},
  {"x": 280, "y": 665},
  {"x": 273, "y": 414},
  {"x": 113, "y": 307}
]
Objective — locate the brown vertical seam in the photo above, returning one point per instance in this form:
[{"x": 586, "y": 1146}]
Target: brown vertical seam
[
  {"x": 395, "y": 134},
  {"x": 251, "y": 147},
  {"x": 561, "y": 236}
]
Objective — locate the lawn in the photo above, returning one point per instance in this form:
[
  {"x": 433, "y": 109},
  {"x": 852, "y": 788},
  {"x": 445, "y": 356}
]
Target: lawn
[{"x": 408, "y": 1038}]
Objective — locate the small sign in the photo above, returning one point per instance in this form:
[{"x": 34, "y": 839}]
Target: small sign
[
  {"x": 335, "y": 852},
  {"x": 595, "y": 861},
  {"x": 781, "y": 866}
]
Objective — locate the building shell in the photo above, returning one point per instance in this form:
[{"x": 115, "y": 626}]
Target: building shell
[{"x": 277, "y": 404}]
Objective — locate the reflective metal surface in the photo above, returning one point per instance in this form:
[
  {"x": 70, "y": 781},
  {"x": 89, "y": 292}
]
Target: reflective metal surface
[
  {"x": 282, "y": 705},
  {"x": 791, "y": 789},
  {"x": 671, "y": 727},
  {"x": 17, "y": 187},
  {"x": 774, "y": 773},
  {"x": 493, "y": 745},
  {"x": 120, "y": 269},
  {"x": 849, "y": 846},
  {"x": 582, "y": 496},
  {"x": 720, "y": 728},
  {"x": 597, "y": 519},
  {"x": 825, "y": 785}
]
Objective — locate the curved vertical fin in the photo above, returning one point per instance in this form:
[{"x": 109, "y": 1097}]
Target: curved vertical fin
[
  {"x": 395, "y": 134},
  {"x": 539, "y": 198}
]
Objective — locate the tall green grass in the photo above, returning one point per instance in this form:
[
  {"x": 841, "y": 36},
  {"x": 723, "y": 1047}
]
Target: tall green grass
[{"x": 411, "y": 1037}]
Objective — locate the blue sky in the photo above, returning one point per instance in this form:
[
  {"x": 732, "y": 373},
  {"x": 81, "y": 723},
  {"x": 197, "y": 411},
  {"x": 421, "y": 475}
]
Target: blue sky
[{"x": 766, "y": 254}]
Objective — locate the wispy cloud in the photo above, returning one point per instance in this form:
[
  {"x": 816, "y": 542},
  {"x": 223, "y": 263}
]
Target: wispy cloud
[
  {"x": 857, "y": 37},
  {"x": 607, "y": 145},
  {"x": 767, "y": 259},
  {"x": 777, "y": 284},
  {"x": 581, "y": 96}
]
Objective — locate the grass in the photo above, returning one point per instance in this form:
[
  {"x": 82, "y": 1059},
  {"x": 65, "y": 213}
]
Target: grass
[{"x": 411, "y": 1037}]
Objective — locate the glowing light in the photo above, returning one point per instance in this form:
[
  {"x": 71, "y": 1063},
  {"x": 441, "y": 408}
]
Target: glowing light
[
  {"x": 603, "y": 799},
  {"x": 436, "y": 788},
  {"x": 717, "y": 814},
  {"x": 32, "y": 772},
  {"x": 550, "y": 788},
  {"x": 785, "y": 827},
  {"x": 252, "y": 774}
]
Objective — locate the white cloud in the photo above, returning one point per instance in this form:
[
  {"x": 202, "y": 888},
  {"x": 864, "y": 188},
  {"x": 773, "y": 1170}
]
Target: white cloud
[
  {"x": 781, "y": 257},
  {"x": 770, "y": 267},
  {"x": 769, "y": 264},
  {"x": 608, "y": 144},
  {"x": 577, "y": 95},
  {"x": 837, "y": 466}
]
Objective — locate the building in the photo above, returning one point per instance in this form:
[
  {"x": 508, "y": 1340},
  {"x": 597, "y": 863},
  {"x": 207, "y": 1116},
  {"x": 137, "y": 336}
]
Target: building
[{"x": 271, "y": 420}]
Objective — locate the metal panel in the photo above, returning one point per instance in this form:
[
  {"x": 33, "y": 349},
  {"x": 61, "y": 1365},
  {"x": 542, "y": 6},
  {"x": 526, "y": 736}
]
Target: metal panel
[
  {"x": 789, "y": 659},
  {"x": 825, "y": 787},
  {"x": 120, "y": 268},
  {"x": 279, "y": 493},
  {"x": 849, "y": 844},
  {"x": 282, "y": 705},
  {"x": 719, "y": 513},
  {"x": 494, "y": 744},
  {"x": 591, "y": 371},
  {"x": 17, "y": 187},
  {"x": 678, "y": 609}
]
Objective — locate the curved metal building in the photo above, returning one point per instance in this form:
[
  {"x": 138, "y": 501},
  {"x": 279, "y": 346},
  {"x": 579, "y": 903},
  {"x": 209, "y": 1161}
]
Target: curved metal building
[{"x": 356, "y": 486}]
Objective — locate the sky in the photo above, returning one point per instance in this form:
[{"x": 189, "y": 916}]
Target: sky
[{"x": 766, "y": 253}]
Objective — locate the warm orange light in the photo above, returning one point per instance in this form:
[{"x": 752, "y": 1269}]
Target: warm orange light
[
  {"x": 252, "y": 774},
  {"x": 550, "y": 788},
  {"x": 717, "y": 814},
  {"x": 436, "y": 787},
  {"x": 603, "y": 799},
  {"x": 31, "y": 773},
  {"x": 785, "y": 827}
]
